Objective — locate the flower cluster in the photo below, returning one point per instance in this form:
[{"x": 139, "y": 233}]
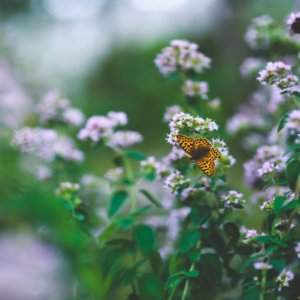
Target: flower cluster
[
  {"x": 102, "y": 128},
  {"x": 259, "y": 265},
  {"x": 284, "y": 279},
  {"x": 183, "y": 121},
  {"x": 276, "y": 74},
  {"x": 181, "y": 55},
  {"x": 268, "y": 159},
  {"x": 293, "y": 23},
  {"x": 195, "y": 88},
  {"x": 176, "y": 182},
  {"x": 171, "y": 111},
  {"x": 233, "y": 199},
  {"x": 54, "y": 108},
  {"x": 292, "y": 124},
  {"x": 46, "y": 144},
  {"x": 257, "y": 35},
  {"x": 250, "y": 66}
]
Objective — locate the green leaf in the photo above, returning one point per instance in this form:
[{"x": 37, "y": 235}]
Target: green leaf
[
  {"x": 144, "y": 238},
  {"x": 150, "y": 197},
  {"x": 282, "y": 121},
  {"x": 189, "y": 239},
  {"x": 268, "y": 239},
  {"x": 151, "y": 287},
  {"x": 296, "y": 94},
  {"x": 291, "y": 205},
  {"x": 292, "y": 173},
  {"x": 116, "y": 202},
  {"x": 292, "y": 148},
  {"x": 135, "y": 155},
  {"x": 107, "y": 232},
  {"x": 278, "y": 204},
  {"x": 156, "y": 262}
]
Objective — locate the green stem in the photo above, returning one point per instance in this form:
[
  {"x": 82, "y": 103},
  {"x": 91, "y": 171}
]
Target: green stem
[
  {"x": 187, "y": 283},
  {"x": 263, "y": 284}
]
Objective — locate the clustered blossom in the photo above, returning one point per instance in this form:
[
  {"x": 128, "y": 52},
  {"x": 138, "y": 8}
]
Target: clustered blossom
[
  {"x": 46, "y": 144},
  {"x": 67, "y": 188},
  {"x": 284, "y": 279},
  {"x": 171, "y": 111},
  {"x": 267, "y": 159},
  {"x": 175, "y": 182},
  {"x": 259, "y": 265},
  {"x": 175, "y": 155},
  {"x": 267, "y": 205},
  {"x": 150, "y": 164},
  {"x": 181, "y": 55},
  {"x": 233, "y": 199},
  {"x": 186, "y": 121},
  {"x": 292, "y": 124},
  {"x": 250, "y": 66},
  {"x": 249, "y": 235},
  {"x": 100, "y": 128},
  {"x": 195, "y": 88},
  {"x": 276, "y": 74},
  {"x": 293, "y": 23},
  {"x": 257, "y": 35},
  {"x": 189, "y": 192},
  {"x": 224, "y": 152},
  {"x": 124, "y": 138},
  {"x": 53, "y": 107}
]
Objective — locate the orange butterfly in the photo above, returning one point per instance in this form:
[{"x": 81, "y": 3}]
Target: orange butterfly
[{"x": 200, "y": 150}]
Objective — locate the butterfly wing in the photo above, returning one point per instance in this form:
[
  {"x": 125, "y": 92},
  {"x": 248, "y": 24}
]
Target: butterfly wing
[
  {"x": 207, "y": 162},
  {"x": 186, "y": 143}
]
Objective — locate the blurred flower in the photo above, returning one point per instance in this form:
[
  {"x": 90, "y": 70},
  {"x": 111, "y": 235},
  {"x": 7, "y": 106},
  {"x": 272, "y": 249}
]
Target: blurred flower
[
  {"x": 182, "y": 121},
  {"x": 259, "y": 265},
  {"x": 53, "y": 107},
  {"x": 258, "y": 33},
  {"x": 233, "y": 199},
  {"x": 214, "y": 103},
  {"x": 36, "y": 267},
  {"x": 275, "y": 73},
  {"x": 267, "y": 158},
  {"x": 43, "y": 173},
  {"x": 46, "y": 144},
  {"x": 73, "y": 116},
  {"x": 297, "y": 249},
  {"x": 175, "y": 155},
  {"x": 284, "y": 279},
  {"x": 175, "y": 182},
  {"x": 195, "y": 88},
  {"x": 171, "y": 111},
  {"x": 67, "y": 188},
  {"x": 114, "y": 174},
  {"x": 293, "y": 23},
  {"x": 150, "y": 165},
  {"x": 190, "y": 192},
  {"x": 249, "y": 235},
  {"x": 124, "y": 138},
  {"x": 181, "y": 55},
  {"x": 102, "y": 127},
  {"x": 267, "y": 205},
  {"x": 292, "y": 124},
  {"x": 250, "y": 66}
]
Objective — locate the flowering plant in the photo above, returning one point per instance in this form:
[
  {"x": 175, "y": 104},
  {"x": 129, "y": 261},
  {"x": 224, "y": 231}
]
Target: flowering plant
[{"x": 163, "y": 227}]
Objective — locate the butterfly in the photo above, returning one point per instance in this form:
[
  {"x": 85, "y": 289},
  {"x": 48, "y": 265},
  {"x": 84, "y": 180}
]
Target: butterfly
[{"x": 201, "y": 151}]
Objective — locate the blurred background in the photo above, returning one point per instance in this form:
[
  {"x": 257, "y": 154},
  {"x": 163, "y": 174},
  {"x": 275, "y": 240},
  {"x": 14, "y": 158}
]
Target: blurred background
[{"x": 100, "y": 54}]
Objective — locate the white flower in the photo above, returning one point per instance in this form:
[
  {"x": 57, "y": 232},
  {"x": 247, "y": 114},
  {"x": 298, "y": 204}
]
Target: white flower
[
  {"x": 292, "y": 22},
  {"x": 114, "y": 174},
  {"x": 259, "y": 265},
  {"x": 189, "y": 192},
  {"x": 292, "y": 124},
  {"x": 284, "y": 279},
  {"x": 250, "y": 234},
  {"x": 179, "y": 55},
  {"x": 118, "y": 118},
  {"x": 273, "y": 72},
  {"x": 267, "y": 168},
  {"x": 171, "y": 111},
  {"x": 195, "y": 88},
  {"x": 73, "y": 116},
  {"x": 267, "y": 205},
  {"x": 233, "y": 199},
  {"x": 176, "y": 181},
  {"x": 124, "y": 138},
  {"x": 67, "y": 188},
  {"x": 250, "y": 66}
]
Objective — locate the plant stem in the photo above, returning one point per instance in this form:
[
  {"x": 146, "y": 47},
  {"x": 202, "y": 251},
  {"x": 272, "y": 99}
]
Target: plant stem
[
  {"x": 263, "y": 284},
  {"x": 187, "y": 283}
]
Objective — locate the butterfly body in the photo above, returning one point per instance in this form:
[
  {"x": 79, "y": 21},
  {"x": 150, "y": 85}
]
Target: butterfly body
[{"x": 201, "y": 151}]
